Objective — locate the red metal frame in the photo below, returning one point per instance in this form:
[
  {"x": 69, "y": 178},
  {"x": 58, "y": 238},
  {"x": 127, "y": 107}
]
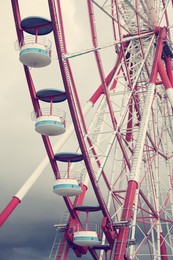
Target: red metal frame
[
  {"x": 65, "y": 68},
  {"x": 8, "y": 210}
]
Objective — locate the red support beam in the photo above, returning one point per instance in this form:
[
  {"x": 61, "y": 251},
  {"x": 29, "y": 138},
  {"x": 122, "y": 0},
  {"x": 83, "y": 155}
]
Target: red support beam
[
  {"x": 168, "y": 63},
  {"x": 8, "y": 210},
  {"x": 164, "y": 76},
  {"x": 126, "y": 216},
  {"x": 65, "y": 69},
  {"x": 17, "y": 19},
  {"x": 163, "y": 247}
]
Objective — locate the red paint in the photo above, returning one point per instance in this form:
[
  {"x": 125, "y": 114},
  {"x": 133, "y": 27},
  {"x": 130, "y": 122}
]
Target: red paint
[
  {"x": 162, "y": 34},
  {"x": 126, "y": 215},
  {"x": 168, "y": 63},
  {"x": 108, "y": 231},
  {"x": 64, "y": 66},
  {"x": 108, "y": 79},
  {"x": 163, "y": 247},
  {"x": 17, "y": 20},
  {"x": 9, "y": 209},
  {"x": 164, "y": 76}
]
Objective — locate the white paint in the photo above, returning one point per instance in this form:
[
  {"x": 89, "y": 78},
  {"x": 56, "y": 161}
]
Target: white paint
[
  {"x": 169, "y": 92},
  {"x": 32, "y": 55},
  {"x": 138, "y": 153},
  {"x": 67, "y": 187},
  {"x": 153, "y": 11},
  {"x": 86, "y": 238},
  {"x": 49, "y": 125}
]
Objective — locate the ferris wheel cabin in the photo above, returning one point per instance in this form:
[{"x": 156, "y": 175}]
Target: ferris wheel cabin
[
  {"x": 50, "y": 121},
  {"x": 35, "y": 51},
  {"x": 67, "y": 186},
  {"x": 90, "y": 236}
]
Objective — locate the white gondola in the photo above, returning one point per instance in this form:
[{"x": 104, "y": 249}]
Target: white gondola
[
  {"x": 50, "y": 120},
  {"x": 35, "y": 51},
  {"x": 67, "y": 187},
  {"x": 49, "y": 125},
  {"x": 35, "y": 55},
  {"x": 87, "y": 234},
  {"x": 86, "y": 238}
]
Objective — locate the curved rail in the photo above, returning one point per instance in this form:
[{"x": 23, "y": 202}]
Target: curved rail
[{"x": 69, "y": 84}]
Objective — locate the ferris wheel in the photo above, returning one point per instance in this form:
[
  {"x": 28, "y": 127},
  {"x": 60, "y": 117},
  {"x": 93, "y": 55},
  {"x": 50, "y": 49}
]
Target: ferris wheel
[{"x": 118, "y": 168}]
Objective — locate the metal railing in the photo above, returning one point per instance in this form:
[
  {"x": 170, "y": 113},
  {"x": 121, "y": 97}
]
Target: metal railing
[
  {"x": 88, "y": 227},
  {"x": 33, "y": 40},
  {"x": 72, "y": 175},
  {"x": 47, "y": 111}
]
